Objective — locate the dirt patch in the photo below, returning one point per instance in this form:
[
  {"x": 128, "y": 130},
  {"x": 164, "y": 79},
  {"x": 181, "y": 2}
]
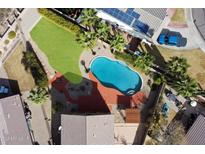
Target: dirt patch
[
  {"x": 201, "y": 77},
  {"x": 179, "y": 16},
  {"x": 16, "y": 70}
]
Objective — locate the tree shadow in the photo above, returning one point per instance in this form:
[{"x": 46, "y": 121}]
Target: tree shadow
[
  {"x": 154, "y": 51},
  {"x": 147, "y": 112},
  {"x": 83, "y": 98},
  {"x": 134, "y": 43}
]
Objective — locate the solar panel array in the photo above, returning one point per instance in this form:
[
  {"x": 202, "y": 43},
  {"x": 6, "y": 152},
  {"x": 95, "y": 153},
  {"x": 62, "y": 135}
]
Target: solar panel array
[{"x": 130, "y": 17}]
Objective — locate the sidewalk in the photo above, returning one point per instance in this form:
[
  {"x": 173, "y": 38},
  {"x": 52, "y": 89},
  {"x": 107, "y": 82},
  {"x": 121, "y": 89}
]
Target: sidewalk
[{"x": 40, "y": 126}]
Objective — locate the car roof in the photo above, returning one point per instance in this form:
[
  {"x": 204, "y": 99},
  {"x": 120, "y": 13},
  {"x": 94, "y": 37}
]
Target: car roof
[{"x": 173, "y": 39}]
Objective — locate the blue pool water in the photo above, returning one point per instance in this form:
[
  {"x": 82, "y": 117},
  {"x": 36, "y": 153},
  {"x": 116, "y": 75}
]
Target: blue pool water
[{"x": 117, "y": 75}]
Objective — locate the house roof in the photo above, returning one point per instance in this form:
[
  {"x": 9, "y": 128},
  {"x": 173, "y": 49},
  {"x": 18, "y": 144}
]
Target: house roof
[
  {"x": 145, "y": 20},
  {"x": 13, "y": 126},
  {"x": 196, "y": 134},
  {"x": 91, "y": 129}
]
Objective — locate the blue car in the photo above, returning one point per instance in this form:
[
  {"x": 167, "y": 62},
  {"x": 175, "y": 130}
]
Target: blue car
[{"x": 172, "y": 40}]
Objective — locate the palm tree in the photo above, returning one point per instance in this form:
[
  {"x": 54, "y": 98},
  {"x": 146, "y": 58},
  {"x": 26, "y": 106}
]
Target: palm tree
[
  {"x": 87, "y": 39},
  {"x": 117, "y": 43},
  {"x": 38, "y": 95},
  {"x": 144, "y": 62},
  {"x": 102, "y": 30},
  {"x": 187, "y": 86},
  {"x": 89, "y": 18},
  {"x": 177, "y": 66}
]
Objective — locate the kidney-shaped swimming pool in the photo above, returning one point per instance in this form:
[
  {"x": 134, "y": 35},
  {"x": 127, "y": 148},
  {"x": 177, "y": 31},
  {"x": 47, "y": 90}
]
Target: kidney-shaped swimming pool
[{"x": 116, "y": 74}]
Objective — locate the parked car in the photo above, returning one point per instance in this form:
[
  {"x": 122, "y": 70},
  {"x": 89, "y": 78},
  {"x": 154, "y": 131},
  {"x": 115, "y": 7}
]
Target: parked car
[
  {"x": 4, "y": 89},
  {"x": 170, "y": 39}
]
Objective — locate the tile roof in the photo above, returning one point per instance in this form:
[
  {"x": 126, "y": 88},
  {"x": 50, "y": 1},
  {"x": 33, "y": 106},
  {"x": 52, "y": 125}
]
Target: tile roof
[{"x": 196, "y": 134}]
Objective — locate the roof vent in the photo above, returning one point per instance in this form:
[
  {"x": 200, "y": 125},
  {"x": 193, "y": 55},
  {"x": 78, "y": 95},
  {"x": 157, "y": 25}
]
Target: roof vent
[
  {"x": 8, "y": 116},
  {"x": 94, "y": 135},
  {"x": 105, "y": 124}
]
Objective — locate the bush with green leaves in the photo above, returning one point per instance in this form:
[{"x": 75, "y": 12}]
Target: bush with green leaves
[
  {"x": 38, "y": 95},
  {"x": 59, "y": 20},
  {"x": 124, "y": 56},
  {"x": 11, "y": 35},
  {"x": 57, "y": 107},
  {"x": 31, "y": 63}
]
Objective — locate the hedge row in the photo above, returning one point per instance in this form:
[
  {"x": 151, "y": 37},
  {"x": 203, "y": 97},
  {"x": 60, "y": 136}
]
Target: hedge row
[
  {"x": 124, "y": 56},
  {"x": 59, "y": 20}
]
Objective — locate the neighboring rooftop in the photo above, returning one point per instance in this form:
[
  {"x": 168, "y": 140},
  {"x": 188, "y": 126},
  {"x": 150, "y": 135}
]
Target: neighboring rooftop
[
  {"x": 145, "y": 20},
  {"x": 199, "y": 20},
  {"x": 196, "y": 134},
  {"x": 83, "y": 130},
  {"x": 13, "y": 126}
]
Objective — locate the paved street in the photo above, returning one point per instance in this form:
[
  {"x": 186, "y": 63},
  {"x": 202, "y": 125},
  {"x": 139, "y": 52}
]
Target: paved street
[{"x": 196, "y": 21}]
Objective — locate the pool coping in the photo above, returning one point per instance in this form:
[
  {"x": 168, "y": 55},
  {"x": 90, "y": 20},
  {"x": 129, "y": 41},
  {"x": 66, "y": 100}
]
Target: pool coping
[{"x": 120, "y": 61}]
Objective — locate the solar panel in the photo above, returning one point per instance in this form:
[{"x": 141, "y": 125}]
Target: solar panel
[
  {"x": 142, "y": 27},
  {"x": 129, "y": 11},
  {"x": 135, "y": 15}
]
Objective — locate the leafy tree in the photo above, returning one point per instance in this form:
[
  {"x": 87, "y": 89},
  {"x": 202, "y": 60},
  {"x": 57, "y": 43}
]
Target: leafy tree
[
  {"x": 144, "y": 62},
  {"x": 87, "y": 39},
  {"x": 177, "y": 66},
  {"x": 89, "y": 18},
  {"x": 187, "y": 86},
  {"x": 117, "y": 43},
  {"x": 38, "y": 95}
]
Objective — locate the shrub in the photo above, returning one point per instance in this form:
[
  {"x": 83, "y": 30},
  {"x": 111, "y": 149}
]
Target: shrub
[
  {"x": 38, "y": 95},
  {"x": 59, "y": 20},
  {"x": 11, "y": 35},
  {"x": 124, "y": 56},
  {"x": 57, "y": 107},
  {"x": 6, "y": 41}
]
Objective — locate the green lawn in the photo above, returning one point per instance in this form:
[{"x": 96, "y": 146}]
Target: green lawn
[{"x": 60, "y": 47}]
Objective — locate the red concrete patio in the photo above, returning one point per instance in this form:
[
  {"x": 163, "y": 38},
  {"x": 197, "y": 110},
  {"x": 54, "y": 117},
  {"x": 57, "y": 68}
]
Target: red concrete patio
[{"x": 101, "y": 98}]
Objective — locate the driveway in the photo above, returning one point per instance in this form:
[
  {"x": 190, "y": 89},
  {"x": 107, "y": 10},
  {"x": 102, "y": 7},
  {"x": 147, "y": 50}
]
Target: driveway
[{"x": 186, "y": 32}]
